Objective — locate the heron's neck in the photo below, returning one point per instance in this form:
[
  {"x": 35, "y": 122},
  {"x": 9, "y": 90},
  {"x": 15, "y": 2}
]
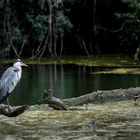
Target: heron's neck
[{"x": 17, "y": 67}]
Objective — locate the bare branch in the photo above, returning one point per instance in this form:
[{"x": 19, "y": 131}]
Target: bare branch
[
  {"x": 9, "y": 33},
  {"x": 113, "y": 31},
  {"x": 82, "y": 44},
  {"x": 22, "y": 46}
]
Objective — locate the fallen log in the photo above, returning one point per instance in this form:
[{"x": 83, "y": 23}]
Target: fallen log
[
  {"x": 95, "y": 97},
  {"x": 13, "y": 112},
  {"x": 52, "y": 101},
  {"x": 104, "y": 96},
  {"x": 63, "y": 104}
]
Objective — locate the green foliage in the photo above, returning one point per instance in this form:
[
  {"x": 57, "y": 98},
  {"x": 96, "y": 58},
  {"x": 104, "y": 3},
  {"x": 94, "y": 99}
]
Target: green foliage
[
  {"x": 131, "y": 32},
  {"x": 19, "y": 36},
  {"x": 64, "y": 24},
  {"x": 5, "y": 50},
  {"x": 38, "y": 25},
  {"x": 29, "y": 24}
]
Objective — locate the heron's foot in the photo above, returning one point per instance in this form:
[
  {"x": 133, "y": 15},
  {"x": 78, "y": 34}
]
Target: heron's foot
[{"x": 9, "y": 108}]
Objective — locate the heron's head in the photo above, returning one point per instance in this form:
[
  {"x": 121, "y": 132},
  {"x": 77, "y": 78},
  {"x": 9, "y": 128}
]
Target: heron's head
[{"x": 19, "y": 63}]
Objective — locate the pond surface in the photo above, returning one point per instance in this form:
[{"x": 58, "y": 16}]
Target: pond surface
[{"x": 66, "y": 81}]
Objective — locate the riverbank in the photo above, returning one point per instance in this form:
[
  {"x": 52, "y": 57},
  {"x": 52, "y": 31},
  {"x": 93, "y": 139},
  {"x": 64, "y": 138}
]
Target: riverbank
[
  {"x": 115, "y": 120},
  {"x": 95, "y": 60},
  {"x": 110, "y": 64}
]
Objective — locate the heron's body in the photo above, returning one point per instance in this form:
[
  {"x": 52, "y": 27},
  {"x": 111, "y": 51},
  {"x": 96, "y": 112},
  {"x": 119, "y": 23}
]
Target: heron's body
[{"x": 10, "y": 79}]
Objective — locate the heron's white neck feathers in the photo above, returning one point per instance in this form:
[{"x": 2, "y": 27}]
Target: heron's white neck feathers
[
  {"x": 17, "y": 65},
  {"x": 18, "y": 70}
]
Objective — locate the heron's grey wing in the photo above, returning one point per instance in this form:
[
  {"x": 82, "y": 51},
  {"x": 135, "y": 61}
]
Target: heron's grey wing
[{"x": 8, "y": 82}]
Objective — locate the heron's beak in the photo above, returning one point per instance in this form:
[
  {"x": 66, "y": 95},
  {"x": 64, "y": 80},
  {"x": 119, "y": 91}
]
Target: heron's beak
[{"x": 24, "y": 65}]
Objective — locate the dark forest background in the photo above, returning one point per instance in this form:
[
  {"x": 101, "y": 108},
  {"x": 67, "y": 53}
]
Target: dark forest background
[{"x": 38, "y": 28}]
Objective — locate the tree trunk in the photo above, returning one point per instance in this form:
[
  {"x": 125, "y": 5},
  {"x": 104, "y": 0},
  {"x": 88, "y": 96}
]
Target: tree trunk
[{"x": 93, "y": 33}]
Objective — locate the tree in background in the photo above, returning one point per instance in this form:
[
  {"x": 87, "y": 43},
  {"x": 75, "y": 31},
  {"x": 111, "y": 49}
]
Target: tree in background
[
  {"x": 49, "y": 25},
  {"x": 106, "y": 26},
  {"x": 36, "y": 29},
  {"x": 33, "y": 27},
  {"x": 130, "y": 36},
  {"x": 12, "y": 35}
]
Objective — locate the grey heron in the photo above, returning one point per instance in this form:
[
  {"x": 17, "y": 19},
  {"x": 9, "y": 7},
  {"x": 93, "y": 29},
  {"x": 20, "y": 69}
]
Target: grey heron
[{"x": 9, "y": 79}]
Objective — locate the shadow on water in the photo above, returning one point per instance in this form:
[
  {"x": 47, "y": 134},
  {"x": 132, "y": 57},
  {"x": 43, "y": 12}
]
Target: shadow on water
[{"x": 66, "y": 81}]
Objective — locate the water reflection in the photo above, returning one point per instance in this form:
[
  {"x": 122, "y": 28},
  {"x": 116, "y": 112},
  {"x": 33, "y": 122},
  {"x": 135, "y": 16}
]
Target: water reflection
[{"x": 66, "y": 81}]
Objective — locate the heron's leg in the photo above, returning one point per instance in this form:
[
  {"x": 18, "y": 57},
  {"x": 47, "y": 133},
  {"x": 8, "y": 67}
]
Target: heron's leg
[{"x": 8, "y": 104}]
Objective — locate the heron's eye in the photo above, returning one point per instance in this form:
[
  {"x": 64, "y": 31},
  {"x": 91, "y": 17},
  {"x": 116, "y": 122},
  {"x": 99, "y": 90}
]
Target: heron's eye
[{"x": 15, "y": 70}]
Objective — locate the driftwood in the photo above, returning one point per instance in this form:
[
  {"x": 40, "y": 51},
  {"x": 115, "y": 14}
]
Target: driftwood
[
  {"x": 13, "y": 112},
  {"x": 104, "y": 96},
  {"x": 94, "y": 97},
  {"x": 52, "y": 101}
]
